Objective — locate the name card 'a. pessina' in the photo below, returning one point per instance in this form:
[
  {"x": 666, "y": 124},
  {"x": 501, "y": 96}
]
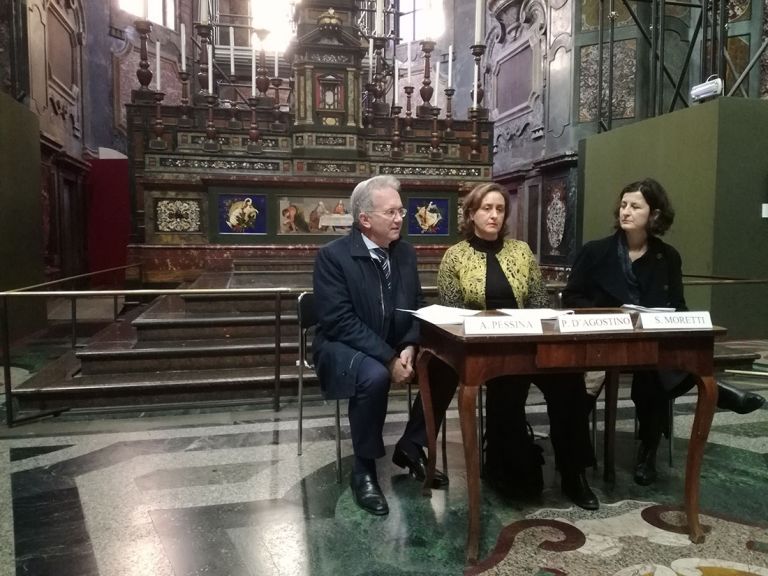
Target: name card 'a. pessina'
[
  {"x": 477, "y": 325},
  {"x": 675, "y": 320},
  {"x": 595, "y": 323}
]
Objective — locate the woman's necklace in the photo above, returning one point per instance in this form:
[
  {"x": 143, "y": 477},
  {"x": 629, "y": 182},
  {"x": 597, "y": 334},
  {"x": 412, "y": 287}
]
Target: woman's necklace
[
  {"x": 636, "y": 247},
  {"x": 636, "y": 253}
]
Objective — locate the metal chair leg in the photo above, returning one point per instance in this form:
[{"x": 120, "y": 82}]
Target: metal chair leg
[
  {"x": 671, "y": 428},
  {"x": 410, "y": 399},
  {"x": 338, "y": 442},
  {"x": 594, "y": 431},
  {"x": 301, "y": 400},
  {"x": 445, "y": 447}
]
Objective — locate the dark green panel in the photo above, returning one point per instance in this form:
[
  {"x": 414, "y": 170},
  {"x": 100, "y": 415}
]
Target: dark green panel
[
  {"x": 741, "y": 234},
  {"x": 21, "y": 250},
  {"x": 711, "y": 159}
]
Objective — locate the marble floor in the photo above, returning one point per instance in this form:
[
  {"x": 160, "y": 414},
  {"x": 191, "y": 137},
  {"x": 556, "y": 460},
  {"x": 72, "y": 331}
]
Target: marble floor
[{"x": 223, "y": 493}]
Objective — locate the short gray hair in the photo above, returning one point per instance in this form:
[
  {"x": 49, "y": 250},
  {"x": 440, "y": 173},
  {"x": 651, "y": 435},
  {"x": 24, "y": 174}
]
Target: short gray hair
[{"x": 362, "y": 196}]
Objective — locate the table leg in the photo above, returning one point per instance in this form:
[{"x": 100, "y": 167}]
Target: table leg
[
  {"x": 702, "y": 422},
  {"x": 422, "y": 364},
  {"x": 468, "y": 420},
  {"x": 609, "y": 434}
]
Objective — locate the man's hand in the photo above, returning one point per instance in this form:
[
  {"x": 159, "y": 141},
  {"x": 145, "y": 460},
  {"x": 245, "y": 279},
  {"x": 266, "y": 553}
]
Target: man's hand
[{"x": 401, "y": 367}]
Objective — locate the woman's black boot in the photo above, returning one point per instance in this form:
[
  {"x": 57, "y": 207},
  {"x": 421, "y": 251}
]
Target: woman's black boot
[
  {"x": 736, "y": 400},
  {"x": 645, "y": 466}
]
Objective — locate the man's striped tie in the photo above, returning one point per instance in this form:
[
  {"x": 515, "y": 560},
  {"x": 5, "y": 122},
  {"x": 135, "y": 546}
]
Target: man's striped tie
[{"x": 383, "y": 257}]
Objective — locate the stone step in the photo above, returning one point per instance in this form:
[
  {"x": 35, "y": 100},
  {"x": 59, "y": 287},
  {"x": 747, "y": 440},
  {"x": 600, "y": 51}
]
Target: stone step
[
  {"x": 182, "y": 387},
  {"x": 302, "y": 264},
  {"x": 118, "y": 357},
  {"x": 189, "y": 325},
  {"x": 238, "y": 303}
]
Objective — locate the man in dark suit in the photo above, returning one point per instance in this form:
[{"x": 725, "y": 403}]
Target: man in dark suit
[{"x": 363, "y": 343}]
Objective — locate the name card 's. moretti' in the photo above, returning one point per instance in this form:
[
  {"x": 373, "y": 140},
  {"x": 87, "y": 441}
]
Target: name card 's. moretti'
[{"x": 675, "y": 321}]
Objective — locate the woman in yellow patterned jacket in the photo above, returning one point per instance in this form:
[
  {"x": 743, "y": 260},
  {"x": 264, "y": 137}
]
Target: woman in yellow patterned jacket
[{"x": 485, "y": 271}]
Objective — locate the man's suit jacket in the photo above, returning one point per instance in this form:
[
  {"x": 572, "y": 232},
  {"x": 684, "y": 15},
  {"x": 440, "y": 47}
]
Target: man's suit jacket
[{"x": 357, "y": 313}]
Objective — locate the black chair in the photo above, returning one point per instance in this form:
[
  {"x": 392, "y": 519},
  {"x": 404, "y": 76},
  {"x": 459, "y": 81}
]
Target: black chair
[
  {"x": 307, "y": 320},
  {"x": 670, "y": 442}
]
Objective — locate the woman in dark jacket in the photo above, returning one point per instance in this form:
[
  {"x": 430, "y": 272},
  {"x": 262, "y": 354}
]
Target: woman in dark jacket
[{"x": 634, "y": 266}]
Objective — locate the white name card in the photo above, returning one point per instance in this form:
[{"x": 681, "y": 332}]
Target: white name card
[
  {"x": 595, "y": 323},
  {"x": 675, "y": 320},
  {"x": 501, "y": 325}
]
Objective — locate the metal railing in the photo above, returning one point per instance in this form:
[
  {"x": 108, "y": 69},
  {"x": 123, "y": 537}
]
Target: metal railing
[{"x": 277, "y": 293}]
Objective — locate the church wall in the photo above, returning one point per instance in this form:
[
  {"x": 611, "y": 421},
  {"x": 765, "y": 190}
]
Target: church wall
[
  {"x": 102, "y": 42},
  {"x": 543, "y": 82}
]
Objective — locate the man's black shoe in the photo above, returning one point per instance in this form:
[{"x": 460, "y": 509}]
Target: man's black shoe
[
  {"x": 576, "y": 488},
  {"x": 645, "y": 466},
  {"x": 417, "y": 467},
  {"x": 368, "y": 495},
  {"x": 739, "y": 401}
]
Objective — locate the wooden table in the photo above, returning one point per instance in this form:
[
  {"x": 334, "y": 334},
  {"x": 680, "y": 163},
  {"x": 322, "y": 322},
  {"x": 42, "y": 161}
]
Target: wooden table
[{"x": 477, "y": 359}]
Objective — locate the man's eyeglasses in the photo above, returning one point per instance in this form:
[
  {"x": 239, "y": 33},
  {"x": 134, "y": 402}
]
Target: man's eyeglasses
[{"x": 391, "y": 213}]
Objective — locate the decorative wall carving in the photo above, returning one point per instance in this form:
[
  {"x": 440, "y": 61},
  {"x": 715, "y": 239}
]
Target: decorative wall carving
[
  {"x": 55, "y": 30},
  {"x": 212, "y": 164},
  {"x": 517, "y": 85},
  {"x": 331, "y": 140},
  {"x": 330, "y": 58},
  {"x": 331, "y": 167},
  {"x": 559, "y": 200},
  {"x": 431, "y": 171},
  {"x": 560, "y": 87}
]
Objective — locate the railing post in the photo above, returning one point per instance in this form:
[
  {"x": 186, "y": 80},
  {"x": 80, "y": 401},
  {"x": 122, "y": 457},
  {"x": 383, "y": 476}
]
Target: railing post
[
  {"x": 278, "y": 322},
  {"x": 5, "y": 336},
  {"x": 73, "y": 318}
]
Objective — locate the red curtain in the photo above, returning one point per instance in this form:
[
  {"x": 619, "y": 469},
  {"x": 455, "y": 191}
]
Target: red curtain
[{"x": 109, "y": 214}]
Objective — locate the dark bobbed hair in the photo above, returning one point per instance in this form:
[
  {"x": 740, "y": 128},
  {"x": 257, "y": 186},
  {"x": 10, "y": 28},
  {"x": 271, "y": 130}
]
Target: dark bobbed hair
[
  {"x": 662, "y": 214},
  {"x": 472, "y": 203}
]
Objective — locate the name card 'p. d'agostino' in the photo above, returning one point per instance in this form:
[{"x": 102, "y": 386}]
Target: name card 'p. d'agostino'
[
  {"x": 595, "y": 323},
  {"x": 675, "y": 321}
]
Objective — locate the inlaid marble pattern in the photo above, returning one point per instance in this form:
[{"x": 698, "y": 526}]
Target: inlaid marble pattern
[
  {"x": 624, "y": 72},
  {"x": 177, "y": 215},
  {"x": 226, "y": 494}
]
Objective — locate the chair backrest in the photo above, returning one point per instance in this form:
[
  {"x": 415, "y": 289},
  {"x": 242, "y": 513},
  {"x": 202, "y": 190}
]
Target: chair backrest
[{"x": 306, "y": 310}]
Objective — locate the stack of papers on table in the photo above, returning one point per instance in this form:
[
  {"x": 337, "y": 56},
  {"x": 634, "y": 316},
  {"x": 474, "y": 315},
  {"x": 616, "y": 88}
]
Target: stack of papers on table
[
  {"x": 437, "y": 314},
  {"x": 645, "y": 309}
]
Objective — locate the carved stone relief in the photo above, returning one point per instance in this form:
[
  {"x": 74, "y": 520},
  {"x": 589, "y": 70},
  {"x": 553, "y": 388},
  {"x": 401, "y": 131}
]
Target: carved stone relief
[
  {"x": 55, "y": 32},
  {"x": 559, "y": 91},
  {"x": 517, "y": 86}
]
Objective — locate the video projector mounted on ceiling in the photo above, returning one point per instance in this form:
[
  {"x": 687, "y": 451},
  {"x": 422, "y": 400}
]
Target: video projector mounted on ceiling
[{"x": 711, "y": 88}]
